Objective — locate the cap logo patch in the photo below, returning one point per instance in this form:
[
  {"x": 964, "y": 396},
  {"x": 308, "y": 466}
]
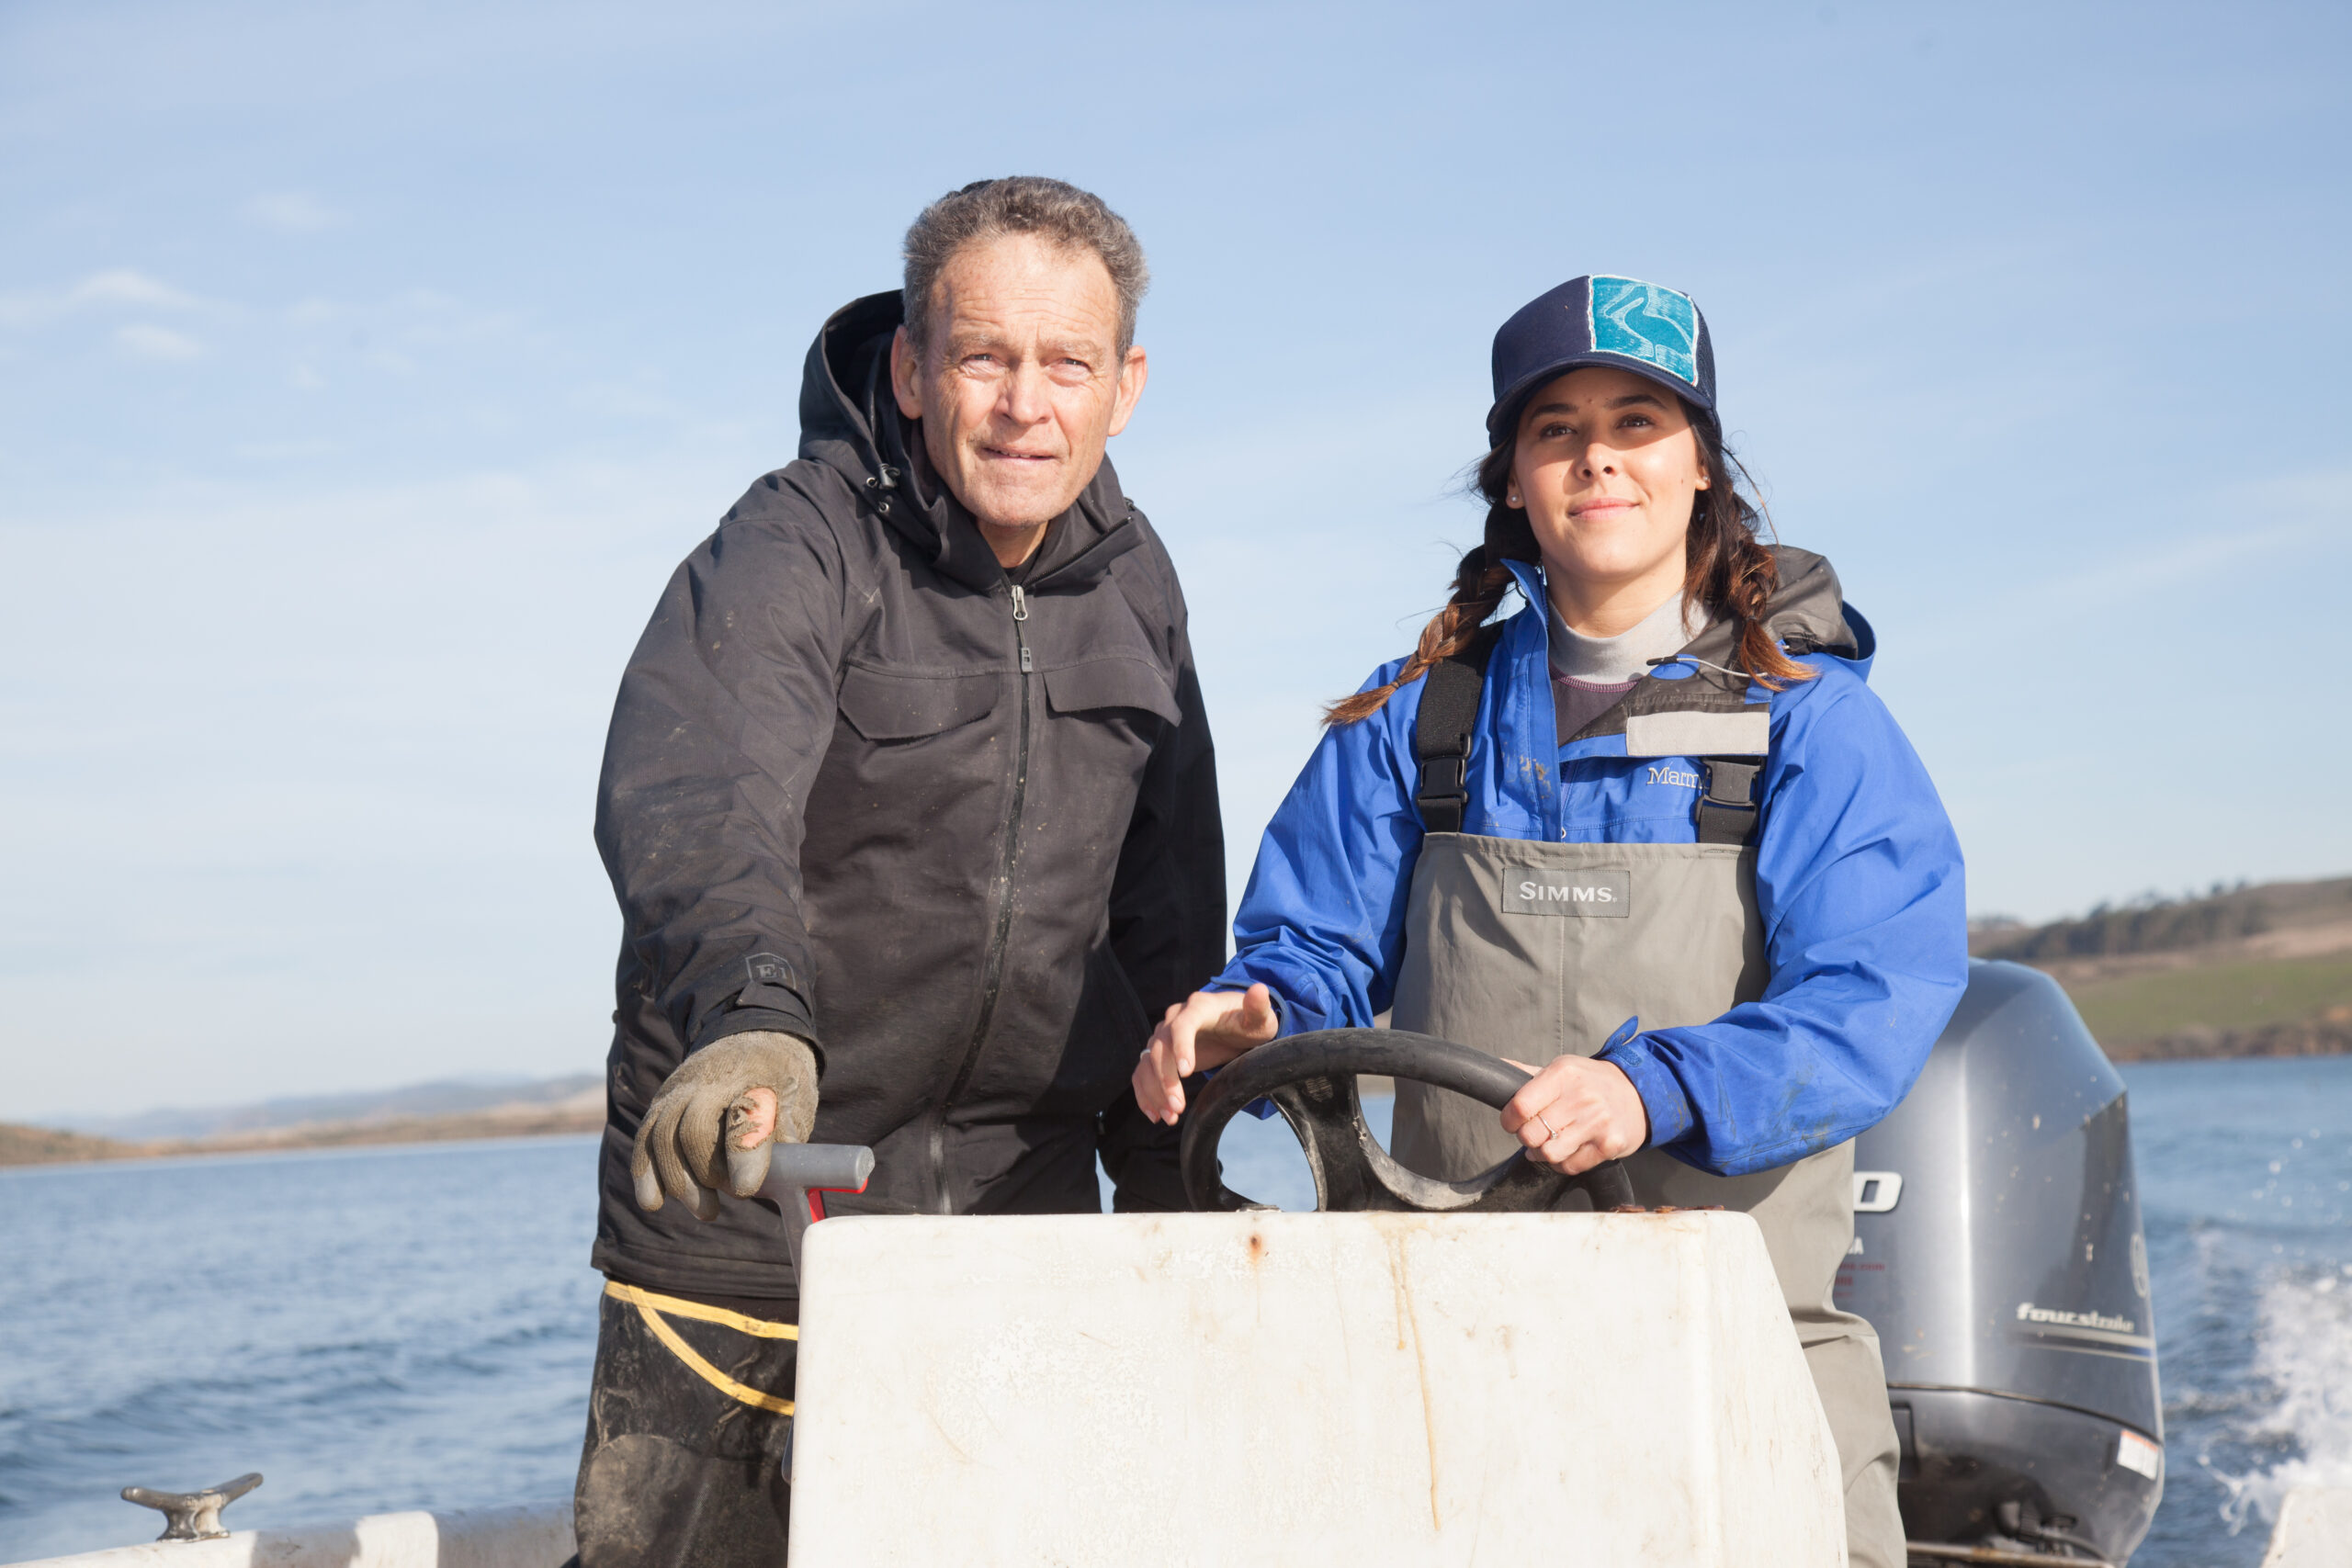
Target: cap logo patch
[{"x": 1643, "y": 321}]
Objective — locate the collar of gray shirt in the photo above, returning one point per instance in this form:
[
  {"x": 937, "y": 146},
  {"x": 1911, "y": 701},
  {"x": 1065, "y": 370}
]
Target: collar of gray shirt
[{"x": 1609, "y": 660}]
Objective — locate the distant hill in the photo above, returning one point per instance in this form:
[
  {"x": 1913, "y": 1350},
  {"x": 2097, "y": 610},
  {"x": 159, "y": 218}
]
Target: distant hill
[
  {"x": 453, "y": 1097},
  {"x": 47, "y": 1145},
  {"x": 418, "y": 1114},
  {"x": 2245, "y": 971}
]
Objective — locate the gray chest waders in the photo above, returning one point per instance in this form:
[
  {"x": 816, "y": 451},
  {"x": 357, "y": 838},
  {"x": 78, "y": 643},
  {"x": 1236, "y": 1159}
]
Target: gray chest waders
[{"x": 1533, "y": 951}]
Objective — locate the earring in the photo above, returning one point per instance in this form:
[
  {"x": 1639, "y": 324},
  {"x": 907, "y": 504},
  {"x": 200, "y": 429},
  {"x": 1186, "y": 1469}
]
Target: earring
[{"x": 1510, "y": 501}]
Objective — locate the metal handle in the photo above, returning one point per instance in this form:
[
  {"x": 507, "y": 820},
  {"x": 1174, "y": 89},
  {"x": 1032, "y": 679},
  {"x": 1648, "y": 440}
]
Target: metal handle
[
  {"x": 823, "y": 1167},
  {"x": 796, "y": 1170}
]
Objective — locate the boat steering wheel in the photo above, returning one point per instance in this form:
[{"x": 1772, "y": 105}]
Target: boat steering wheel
[{"x": 1311, "y": 1079}]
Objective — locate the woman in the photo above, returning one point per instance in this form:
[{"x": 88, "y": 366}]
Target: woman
[{"x": 1689, "y": 856}]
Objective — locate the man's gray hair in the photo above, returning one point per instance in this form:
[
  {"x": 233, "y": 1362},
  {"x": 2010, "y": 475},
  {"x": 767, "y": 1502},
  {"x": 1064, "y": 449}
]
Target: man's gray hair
[{"x": 1022, "y": 204}]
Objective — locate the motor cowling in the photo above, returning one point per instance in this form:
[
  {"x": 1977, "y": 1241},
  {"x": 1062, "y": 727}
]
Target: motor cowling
[{"x": 1997, "y": 1250}]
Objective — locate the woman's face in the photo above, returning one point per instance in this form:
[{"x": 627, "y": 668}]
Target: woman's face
[{"x": 1608, "y": 465}]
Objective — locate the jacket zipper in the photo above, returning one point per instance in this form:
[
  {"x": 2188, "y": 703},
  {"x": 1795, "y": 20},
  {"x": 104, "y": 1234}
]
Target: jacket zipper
[{"x": 992, "y": 971}]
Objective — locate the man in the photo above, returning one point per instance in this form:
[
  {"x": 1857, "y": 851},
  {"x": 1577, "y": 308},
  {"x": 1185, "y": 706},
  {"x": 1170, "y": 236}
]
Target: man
[{"x": 910, "y": 805}]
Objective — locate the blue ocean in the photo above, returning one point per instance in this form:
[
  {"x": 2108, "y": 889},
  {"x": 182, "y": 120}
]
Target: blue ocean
[{"x": 413, "y": 1327}]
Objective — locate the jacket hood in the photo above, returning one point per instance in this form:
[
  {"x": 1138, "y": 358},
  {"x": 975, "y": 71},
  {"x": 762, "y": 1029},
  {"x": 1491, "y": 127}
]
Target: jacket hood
[
  {"x": 1808, "y": 612},
  {"x": 850, "y": 423}
]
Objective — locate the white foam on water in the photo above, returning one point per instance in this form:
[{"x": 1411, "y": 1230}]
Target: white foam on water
[{"x": 2304, "y": 1357}]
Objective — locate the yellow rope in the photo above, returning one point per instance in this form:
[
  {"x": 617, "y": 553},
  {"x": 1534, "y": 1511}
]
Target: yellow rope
[
  {"x": 644, "y": 1301},
  {"x": 637, "y": 1296}
]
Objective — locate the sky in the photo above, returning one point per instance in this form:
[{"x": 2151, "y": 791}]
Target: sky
[{"x": 366, "y": 368}]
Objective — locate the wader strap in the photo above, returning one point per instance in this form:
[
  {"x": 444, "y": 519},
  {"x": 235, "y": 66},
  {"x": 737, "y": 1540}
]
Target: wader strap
[
  {"x": 650, "y": 1306},
  {"x": 1727, "y": 809},
  {"x": 1442, "y": 732}
]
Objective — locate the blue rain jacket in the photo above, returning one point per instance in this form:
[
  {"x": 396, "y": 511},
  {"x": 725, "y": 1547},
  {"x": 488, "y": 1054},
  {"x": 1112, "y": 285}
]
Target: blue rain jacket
[{"x": 1857, "y": 881}]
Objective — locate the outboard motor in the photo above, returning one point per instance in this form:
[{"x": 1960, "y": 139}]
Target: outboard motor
[{"x": 1997, "y": 1251}]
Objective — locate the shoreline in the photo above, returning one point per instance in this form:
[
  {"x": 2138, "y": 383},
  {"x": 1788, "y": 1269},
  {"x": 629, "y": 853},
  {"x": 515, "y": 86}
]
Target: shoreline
[
  {"x": 2325, "y": 1036},
  {"x": 27, "y": 1145}
]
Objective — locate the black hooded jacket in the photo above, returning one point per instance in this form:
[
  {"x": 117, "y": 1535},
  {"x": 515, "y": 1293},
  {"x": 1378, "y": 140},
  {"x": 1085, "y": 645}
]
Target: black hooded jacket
[{"x": 962, "y": 833}]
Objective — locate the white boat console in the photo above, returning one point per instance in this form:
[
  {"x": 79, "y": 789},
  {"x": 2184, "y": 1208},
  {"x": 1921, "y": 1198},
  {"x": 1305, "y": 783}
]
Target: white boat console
[{"x": 1265, "y": 1388}]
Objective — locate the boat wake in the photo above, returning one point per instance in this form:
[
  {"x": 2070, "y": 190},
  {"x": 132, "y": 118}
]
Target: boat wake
[{"x": 2299, "y": 1405}]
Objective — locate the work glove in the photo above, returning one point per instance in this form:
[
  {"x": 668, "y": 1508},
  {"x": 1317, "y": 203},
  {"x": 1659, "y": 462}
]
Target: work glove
[{"x": 687, "y": 1145}]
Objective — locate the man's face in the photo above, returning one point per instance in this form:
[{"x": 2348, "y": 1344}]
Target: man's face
[{"x": 1020, "y": 383}]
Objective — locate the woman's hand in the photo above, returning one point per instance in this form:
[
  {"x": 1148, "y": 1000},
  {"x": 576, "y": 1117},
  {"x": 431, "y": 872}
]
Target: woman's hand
[
  {"x": 1575, "y": 1113},
  {"x": 1207, "y": 1028}
]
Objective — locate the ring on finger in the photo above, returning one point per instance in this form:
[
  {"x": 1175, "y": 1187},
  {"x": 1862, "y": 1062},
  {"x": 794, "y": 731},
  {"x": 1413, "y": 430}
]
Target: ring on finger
[{"x": 1548, "y": 1133}]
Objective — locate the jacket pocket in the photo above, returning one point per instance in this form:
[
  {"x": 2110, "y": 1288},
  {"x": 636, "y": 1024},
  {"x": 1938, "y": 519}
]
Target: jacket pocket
[
  {"x": 1104, "y": 683},
  {"x": 903, "y": 707}
]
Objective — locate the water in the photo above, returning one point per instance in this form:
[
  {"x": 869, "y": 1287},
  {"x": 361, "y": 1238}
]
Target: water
[
  {"x": 2245, "y": 1176},
  {"x": 394, "y": 1328},
  {"x": 370, "y": 1329}
]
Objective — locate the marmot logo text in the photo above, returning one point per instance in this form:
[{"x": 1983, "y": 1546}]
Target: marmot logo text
[{"x": 1674, "y": 777}]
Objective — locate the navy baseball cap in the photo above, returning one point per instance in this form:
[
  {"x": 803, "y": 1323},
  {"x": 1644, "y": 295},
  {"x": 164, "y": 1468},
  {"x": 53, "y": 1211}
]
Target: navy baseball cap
[{"x": 1643, "y": 327}]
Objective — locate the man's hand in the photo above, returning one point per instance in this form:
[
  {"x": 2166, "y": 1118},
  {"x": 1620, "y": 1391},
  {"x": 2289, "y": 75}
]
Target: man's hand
[
  {"x": 1575, "y": 1113},
  {"x": 1207, "y": 1028},
  {"x": 758, "y": 1089}
]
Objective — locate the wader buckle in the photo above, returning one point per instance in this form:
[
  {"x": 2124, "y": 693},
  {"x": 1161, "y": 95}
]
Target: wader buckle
[
  {"x": 1728, "y": 809},
  {"x": 1443, "y": 793},
  {"x": 1442, "y": 732}
]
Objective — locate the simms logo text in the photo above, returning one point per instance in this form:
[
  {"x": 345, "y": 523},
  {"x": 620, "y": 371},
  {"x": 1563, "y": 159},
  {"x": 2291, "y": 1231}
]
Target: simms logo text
[
  {"x": 1585, "y": 893},
  {"x": 1538, "y": 892}
]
